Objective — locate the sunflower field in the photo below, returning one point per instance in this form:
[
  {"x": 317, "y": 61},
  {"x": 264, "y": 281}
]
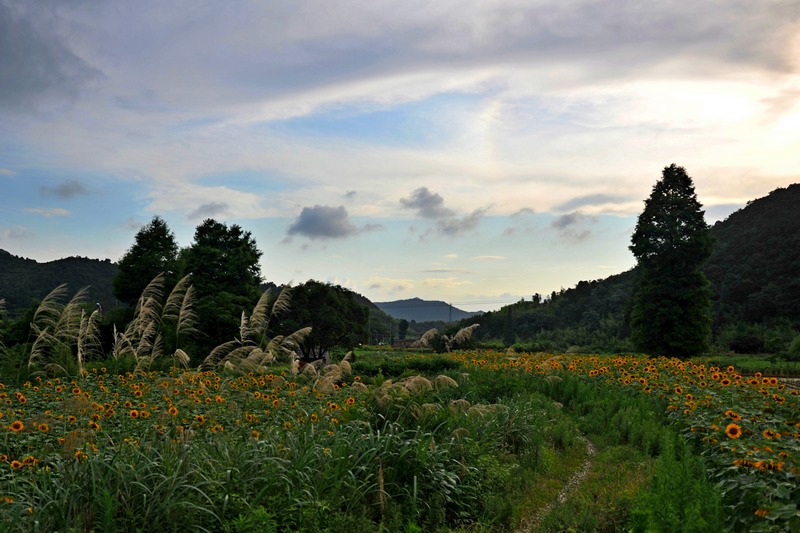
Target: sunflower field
[{"x": 468, "y": 441}]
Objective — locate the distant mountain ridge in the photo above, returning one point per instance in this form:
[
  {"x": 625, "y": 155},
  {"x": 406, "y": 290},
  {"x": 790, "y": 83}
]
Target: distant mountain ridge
[
  {"x": 424, "y": 310},
  {"x": 23, "y": 281}
]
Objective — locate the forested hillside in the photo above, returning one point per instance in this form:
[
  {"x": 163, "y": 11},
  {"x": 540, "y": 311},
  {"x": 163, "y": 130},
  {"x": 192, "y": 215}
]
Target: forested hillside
[
  {"x": 22, "y": 281},
  {"x": 754, "y": 272}
]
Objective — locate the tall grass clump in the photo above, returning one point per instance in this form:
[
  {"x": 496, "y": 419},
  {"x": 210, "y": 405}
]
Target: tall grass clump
[{"x": 64, "y": 335}]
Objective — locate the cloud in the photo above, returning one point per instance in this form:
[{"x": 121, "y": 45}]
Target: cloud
[
  {"x": 490, "y": 258},
  {"x": 525, "y": 211},
  {"x": 349, "y": 195},
  {"x": 569, "y": 226},
  {"x": 38, "y": 66},
  {"x": 17, "y": 233},
  {"x": 457, "y": 226},
  {"x": 65, "y": 190},
  {"x": 324, "y": 222},
  {"x": 209, "y": 210},
  {"x": 427, "y": 204},
  {"x": 6, "y": 172},
  {"x": 446, "y": 271},
  {"x": 591, "y": 200},
  {"x": 53, "y": 212},
  {"x": 431, "y": 205}
]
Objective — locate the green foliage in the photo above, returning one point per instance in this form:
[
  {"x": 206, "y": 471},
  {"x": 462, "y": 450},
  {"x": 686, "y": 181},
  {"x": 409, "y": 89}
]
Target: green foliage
[
  {"x": 680, "y": 497},
  {"x": 224, "y": 266},
  {"x": 671, "y": 242},
  {"x": 335, "y": 317},
  {"x": 153, "y": 252}
]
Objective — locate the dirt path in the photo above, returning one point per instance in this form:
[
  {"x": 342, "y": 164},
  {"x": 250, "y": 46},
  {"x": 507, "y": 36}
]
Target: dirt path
[{"x": 533, "y": 524}]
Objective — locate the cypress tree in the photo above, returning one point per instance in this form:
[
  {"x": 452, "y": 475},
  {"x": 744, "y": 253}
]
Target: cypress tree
[{"x": 672, "y": 302}]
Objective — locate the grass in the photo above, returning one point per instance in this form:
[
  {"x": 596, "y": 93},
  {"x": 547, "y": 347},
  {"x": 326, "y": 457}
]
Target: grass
[{"x": 485, "y": 445}]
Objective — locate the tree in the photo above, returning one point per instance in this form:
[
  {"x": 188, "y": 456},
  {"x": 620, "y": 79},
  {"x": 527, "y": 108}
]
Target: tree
[
  {"x": 154, "y": 251},
  {"x": 224, "y": 266},
  {"x": 402, "y": 328},
  {"x": 671, "y": 312},
  {"x": 335, "y": 317}
]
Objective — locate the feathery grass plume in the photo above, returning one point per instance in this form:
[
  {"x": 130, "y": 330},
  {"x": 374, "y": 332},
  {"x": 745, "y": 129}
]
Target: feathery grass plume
[
  {"x": 459, "y": 405},
  {"x": 460, "y": 433},
  {"x": 88, "y": 340},
  {"x": 58, "y": 328},
  {"x": 49, "y": 310},
  {"x": 460, "y": 337},
  {"x": 345, "y": 367},
  {"x": 442, "y": 382},
  {"x": 179, "y": 308},
  {"x": 357, "y": 386},
  {"x": 426, "y": 409},
  {"x": 253, "y": 335},
  {"x": 309, "y": 370},
  {"x": 122, "y": 345},
  {"x": 218, "y": 354},
  {"x": 349, "y": 357},
  {"x": 181, "y": 358},
  {"x": 417, "y": 384},
  {"x": 423, "y": 341}
]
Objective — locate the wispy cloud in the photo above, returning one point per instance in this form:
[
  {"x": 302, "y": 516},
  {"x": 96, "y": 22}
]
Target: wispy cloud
[
  {"x": 571, "y": 226},
  {"x": 17, "y": 233},
  {"x": 209, "y": 210},
  {"x": 49, "y": 212},
  {"x": 6, "y": 172},
  {"x": 490, "y": 258}
]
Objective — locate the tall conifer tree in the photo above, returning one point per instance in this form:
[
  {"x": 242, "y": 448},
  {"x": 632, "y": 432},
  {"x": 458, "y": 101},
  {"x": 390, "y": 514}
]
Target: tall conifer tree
[{"x": 672, "y": 303}]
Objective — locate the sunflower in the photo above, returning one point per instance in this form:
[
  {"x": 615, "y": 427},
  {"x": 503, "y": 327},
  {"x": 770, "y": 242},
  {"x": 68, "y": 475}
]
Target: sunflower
[
  {"x": 200, "y": 419},
  {"x": 43, "y": 427},
  {"x": 173, "y": 411},
  {"x": 94, "y": 425},
  {"x": 134, "y": 413},
  {"x": 16, "y": 426},
  {"x": 733, "y": 431},
  {"x": 16, "y": 465}
]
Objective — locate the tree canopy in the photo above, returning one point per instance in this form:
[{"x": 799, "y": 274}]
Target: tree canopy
[
  {"x": 153, "y": 252},
  {"x": 335, "y": 317},
  {"x": 672, "y": 300},
  {"x": 223, "y": 262}
]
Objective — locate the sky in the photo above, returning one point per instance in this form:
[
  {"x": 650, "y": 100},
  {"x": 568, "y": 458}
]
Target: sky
[{"x": 470, "y": 151}]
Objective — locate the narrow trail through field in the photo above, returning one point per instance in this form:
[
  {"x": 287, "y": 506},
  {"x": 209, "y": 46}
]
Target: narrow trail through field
[{"x": 533, "y": 524}]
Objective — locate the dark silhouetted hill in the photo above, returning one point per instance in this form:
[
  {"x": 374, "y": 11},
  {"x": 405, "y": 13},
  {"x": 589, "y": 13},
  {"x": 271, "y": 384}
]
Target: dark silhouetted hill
[
  {"x": 424, "y": 310},
  {"x": 24, "y": 281}
]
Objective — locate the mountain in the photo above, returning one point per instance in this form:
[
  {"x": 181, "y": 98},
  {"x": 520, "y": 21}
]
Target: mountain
[
  {"x": 754, "y": 272},
  {"x": 23, "y": 281},
  {"x": 424, "y": 310}
]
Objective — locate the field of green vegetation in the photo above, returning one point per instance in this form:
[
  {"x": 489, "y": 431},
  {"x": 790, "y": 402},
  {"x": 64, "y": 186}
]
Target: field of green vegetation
[{"x": 405, "y": 441}]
